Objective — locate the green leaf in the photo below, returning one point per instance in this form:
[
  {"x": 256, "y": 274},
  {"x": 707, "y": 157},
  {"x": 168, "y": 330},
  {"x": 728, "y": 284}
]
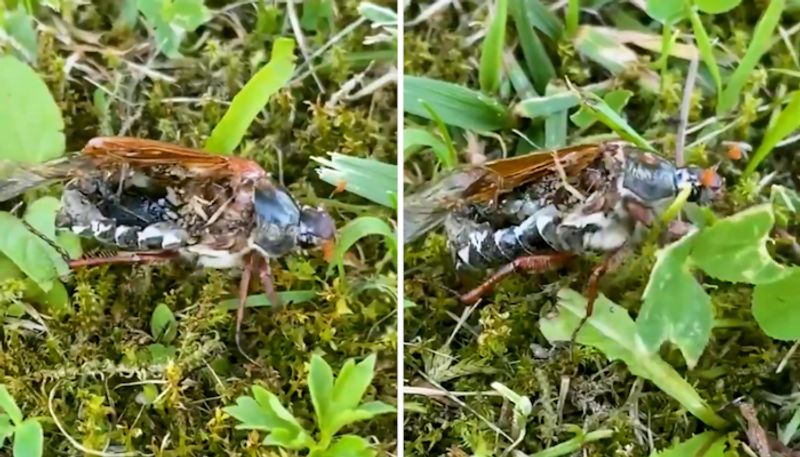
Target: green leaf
[
  {"x": 189, "y": 14},
  {"x": 357, "y": 229},
  {"x": 286, "y": 297},
  {"x": 785, "y": 203},
  {"x": 378, "y": 15},
  {"x": 707, "y": 444},
  {"x": 490, "y": 72},
  {"x": 6, "y": 429},
  {"x": 556, "y": 124},
  {"x": 666, "y": 11},
  {"x": 675, "y": 308},
  {"x": 543, "y": 19},
  {"x": 616, "y": 100},
  {"x": 369, "y": 178},
  {"x": 30, "y": 121},
  {"x": 289, "y": 439},
  {"x": 320, "y": 385},
  {"x": 171, "y": 19},
  {"x": 352, "y": 383},
  {"x": 41, "y": 214},
  {"x": 457, "y": 105},
  {"x": 759, "y": 45},
  {"x": 376, "y": 408},
  {"x": 611, "y": 330},
  {"x": 540, "y": 67},
  {"x": 776, "y": 307},
  {"x": 29, "y": 252},
  {"x": 735, "y": 248},
  {"x": 28, "y": 439},
  {"x": 349, "y": 446},
  {"x": 9, "y": 406},
  {"x": 614, "y": 121},
  {"x": 544, "y": 106},
  {"x": 601, "y": 46},
  {"x": 415, "y": 138},
  {"x": 252, "y": 98},
  {"x": 787, "y": 122},
  {"x": 716, "y": 6},
  {"x": 706, "y": 50},
  {"x": 163, "y": 325},
  {"x": 20, "y": 27}
]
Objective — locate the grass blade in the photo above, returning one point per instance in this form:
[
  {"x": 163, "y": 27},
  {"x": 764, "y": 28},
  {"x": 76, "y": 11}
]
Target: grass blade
[
  {"x": 369, "y": 178},
  {"x": 601, "y": 46},
  {"x": 543, "y": 19},
  {"x": 414, "y": 138},
  {"x": 457, "y": 105},
  {"x": 491, "y": 67},
  {"x": 614, "y": 121},
  {"x": 786, "y": 123},
  {"x": 357, "y": 229},
  {"x": 540, "y": 67},
  {"x": 549, "y": 104},
  {"x": 555, "y": 125},
  {"x": 251, "y": 99},
  {"x": 286, "y": 297},
  {"x": 759, "y": 44},
  {"x": 572, "y": 16},
  {"x": 706, "y": 50}
]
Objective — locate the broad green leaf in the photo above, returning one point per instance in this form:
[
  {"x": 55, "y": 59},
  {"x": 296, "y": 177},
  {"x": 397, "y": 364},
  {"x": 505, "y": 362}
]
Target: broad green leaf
[
  {"x": 20, "y": 27},
  {"x": 415, "y": 138},
  {"x": 346, "y": 417},
  {"x": 30, "y": 121},
  {"x": 349, "y": 446},
  {"x": 490, "y": 72},
  {"x": 320, "y": 385},
  {"x": 286, "y": 297},
  {"x": 288, "y": 438},
  {"x": 706, "y": 444},
  {"x": 163, "y": 325},
  {"x": 318, "y": 15},
  {"x": 457, "y": 105},
  {"x": 357, "y": 229},
  {"x": 29, "y": 252},
  {"x": 251, "y": 415},
  {"x": 716, "y": 6},
  {"x": 352, "y": 383},
  {"x": 759, "y": 45},
  {"x": 9, "y": 406},
  {"x": 611, "y": 330},
  {"x": 71, "y": 243},
  {"x": 786, "y": 123},
  {"x": 735, "y": 248},
  {"x": 376, "y": 408},
  {"x": 41, "y": 215},
  {"x": 252, "y": 98},
  {"x": 171, "y": 19},
  {"x": 675, "y": 308},
  {"x": 188, "y": 14},
  {"x": 272, "y": 404},
  {"x": 6, "y": 429},
  {"x": 614, "y": 121},
  {"x": 666, "y": 11},
  {"x": 369, "y": 178},
  {"x": 56, "y": 299},
  {"x": 706, "y": 49},
  {"x": 28, "y": 439},
  {"x": 538, "y": 63},
  {"x": 776, "y": 307}
]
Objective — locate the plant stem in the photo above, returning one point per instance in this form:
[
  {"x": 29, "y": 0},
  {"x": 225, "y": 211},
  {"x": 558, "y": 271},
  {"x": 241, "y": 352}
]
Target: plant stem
[{"x": 574, "y": 445}]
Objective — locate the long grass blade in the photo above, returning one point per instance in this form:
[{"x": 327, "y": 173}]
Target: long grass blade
[
  {"x": 786, "y": 123},
  {"x": 538, "y": 63},
  {"x": 706, "y": 50},
  {"x": 490, "y": 71}
]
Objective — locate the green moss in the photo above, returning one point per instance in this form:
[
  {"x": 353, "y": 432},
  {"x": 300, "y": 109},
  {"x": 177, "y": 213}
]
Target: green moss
[
  {"x": 111, "y": 383},
  {"x": 501, "y": 335}
]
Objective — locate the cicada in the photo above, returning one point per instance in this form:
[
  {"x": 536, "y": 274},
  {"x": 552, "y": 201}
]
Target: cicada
[
  {"x": 157, "y": 201},
  {"x": 536, "y": 211}
]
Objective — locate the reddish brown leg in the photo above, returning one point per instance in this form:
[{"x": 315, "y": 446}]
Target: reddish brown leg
[
  {"x": 593, "y": 288},
  {"x": 265, "y": 273},
  {"x": 536, "y": 263},
  {"x": 244, "y": 287},
  {"x": 125, "y": 258}
]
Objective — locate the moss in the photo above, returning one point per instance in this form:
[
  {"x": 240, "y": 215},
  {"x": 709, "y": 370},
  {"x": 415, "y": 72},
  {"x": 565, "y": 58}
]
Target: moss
[
  {"x": 501, "y": 334},
  {"x": 112, "y": 384}
]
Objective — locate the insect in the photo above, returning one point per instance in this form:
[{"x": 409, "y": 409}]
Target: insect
[
  {"x": 157, "y": 201},
  {"x": 536, "y": 211}
]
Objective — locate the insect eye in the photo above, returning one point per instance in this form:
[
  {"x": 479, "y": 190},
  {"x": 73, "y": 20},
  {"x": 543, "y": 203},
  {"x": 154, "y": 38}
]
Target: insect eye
[{"x": 317, "y": 223}]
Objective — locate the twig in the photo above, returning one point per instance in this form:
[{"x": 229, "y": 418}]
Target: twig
[
  {"x": 686, "y": 105},
  {"x": 301, "y": 42}
]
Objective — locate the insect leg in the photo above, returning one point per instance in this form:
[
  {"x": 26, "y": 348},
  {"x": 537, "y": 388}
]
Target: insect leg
[
  {"x": 122, "y": 258},
  {"x": 244, "y": 287},
  {"x": 536, "y": 263},
  {"x": 265, "y": 273},
  {"x": 593, "y": 288}
]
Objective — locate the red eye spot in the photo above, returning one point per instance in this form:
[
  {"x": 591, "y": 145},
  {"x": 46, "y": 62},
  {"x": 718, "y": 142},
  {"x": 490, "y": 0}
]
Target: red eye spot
[
  {"x": 734, "y": 152},
  {"x": 709, "y": 178}
]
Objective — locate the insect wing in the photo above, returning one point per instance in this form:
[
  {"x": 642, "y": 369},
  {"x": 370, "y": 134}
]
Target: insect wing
[{"x": 144, "y": 153}]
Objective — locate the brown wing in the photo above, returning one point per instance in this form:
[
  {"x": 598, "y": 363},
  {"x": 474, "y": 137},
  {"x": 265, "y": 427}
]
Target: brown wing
[
  {"x": 426, "y": 209},
  {"x": 144, "y": 153},
  {"x": 505, "y": 175}
]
